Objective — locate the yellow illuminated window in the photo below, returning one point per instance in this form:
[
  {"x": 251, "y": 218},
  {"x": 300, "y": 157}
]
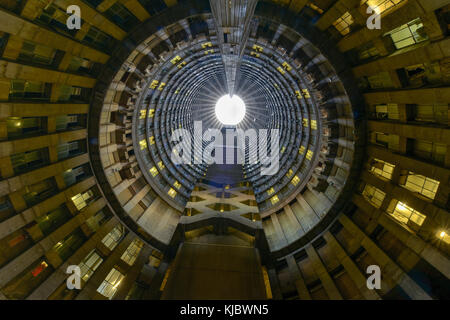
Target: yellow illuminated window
[
  {"x": 254, "y": 54},
  {"x": 143, "y": 144},
  {"x": 161, "y": 86},
  {"x": 298, "y": 94},
  {"x": 286, "y": 66},
  {"x": 295, "y": 180},
  {"x": 374, "y": 195},
  {"x": 151, "y": 113},
  {"x": 283, "y": 149},
  {"x": 382, "y": 6},
  {"x": 154, "y": 84},
  {"x": 444, "y": 236},
  {"x": 408, "y": 215},
  {"x": 206, "y": 44},
  {"x": 274, "y": 199},
  {"x": 151, "y": 140},
  {"x": 209, "y": 51},
  {"x": 343, "y": 23},
  {"x": 109, "y": 286},
  {"x": 408, "y": 34},
  {"x": 153, "y": 171},
  {"x": 421, "y": 184},
  {"x": 181, "y": 65},
  {"x": 257, "y": 48},
  {"x": 172, "y": 193},
  {"x": 314, "y": 124},
  {"x": 175, "y": 60},
  {"x": 281, "y": 70},
  {"x": 309, "y": 155},
  {"x": 290, "y": 173},
  {"x": 270, "y": 191},
  {"x": 131, "y": 253},
  {"x": 302, "y": 150},
  {"x": 81, "y": 200},
  {"x": 306, "y": 93},
  {"x": 177, "y": 185},
  {"x": 161, "y": 165},
  {"x": 382, "y": 168},
  {"x": 305, "y": 122},
  {"x": 143, "y": 113}
]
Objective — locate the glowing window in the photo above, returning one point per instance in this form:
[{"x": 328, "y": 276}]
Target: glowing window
[
  {"x": 270, "y": 191},
  {"x": 113, "y": 237},
  {"x": 343, "y": 23},
  {"x": 154, "y": 84},
  {"x": 382, "y": 6},
  {"x": 302, "y": 150},
  {"x": 306, "y": 93},
  {"x": 374, "y": 195},
  {"x": 172, "y": 193},
  {"x": 309, "y": 155},
  {"x": 131, "y": 253},
  {"x": 143, "y": 144},
  {"x": 90, "y": 263},
  {"x": 274, "y": 199},
  {"x": 314, "y": 124},
  {"x": 407, "y": 215},
  {"x": 153, "y": 171},
  {"x": 109, "y": 286},
  {"x": 382, "y": 168},
  {"x": 177, "y": 185},
  {"x": 81, "y": 200},
  {"x": 295, "y": 180},
  {"x": 143, "y": 113},
  {"x": 152, "y": 140},
  {"x": 421, "y": 184},
  {"x": 161, "y": 165},
  {"x": 290, "y": 173},
  {"x": 408, "y": 34}
]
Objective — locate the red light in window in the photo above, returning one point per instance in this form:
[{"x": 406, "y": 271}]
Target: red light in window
[
  {"x": 39, "y": 269},
  {"x": 16, "y": 240}
]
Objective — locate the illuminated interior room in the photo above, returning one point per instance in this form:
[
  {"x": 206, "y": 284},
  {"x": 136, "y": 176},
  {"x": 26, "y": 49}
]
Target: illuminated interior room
[{"x": 88, "y": 178}]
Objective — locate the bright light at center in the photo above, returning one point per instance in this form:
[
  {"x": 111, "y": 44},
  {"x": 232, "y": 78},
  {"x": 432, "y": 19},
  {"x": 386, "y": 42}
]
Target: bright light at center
[{"x": 230, "y": 110}]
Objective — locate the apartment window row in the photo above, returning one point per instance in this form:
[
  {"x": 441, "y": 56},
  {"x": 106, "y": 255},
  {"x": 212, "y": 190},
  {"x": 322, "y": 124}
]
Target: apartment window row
[
  {"x": 434, "y": 113},
  {"x": 20, "y": 127}
]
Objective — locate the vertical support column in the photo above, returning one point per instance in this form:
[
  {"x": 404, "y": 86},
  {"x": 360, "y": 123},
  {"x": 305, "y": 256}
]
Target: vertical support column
[
  {"x": 351, "y": 268},
  {"x": 274, "y": 284},
  {"x": 322, "y": 273},
  {"x": 297, "y": 277}
]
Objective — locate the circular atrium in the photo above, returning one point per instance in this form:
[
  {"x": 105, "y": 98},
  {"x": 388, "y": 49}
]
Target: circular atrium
[{"x": 218, "y": 149}]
